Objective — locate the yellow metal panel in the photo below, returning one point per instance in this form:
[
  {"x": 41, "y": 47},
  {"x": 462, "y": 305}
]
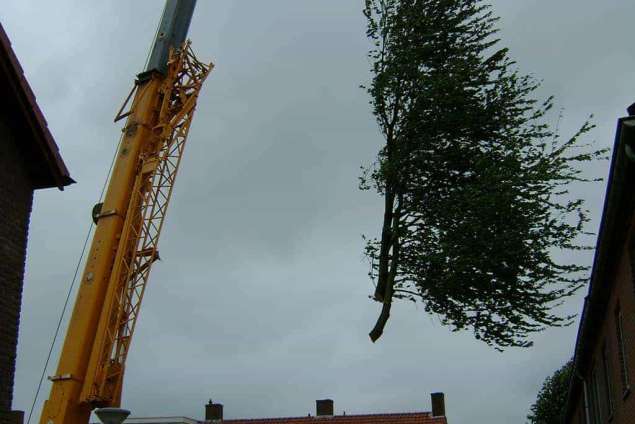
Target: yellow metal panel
[
  {"x": 91, "y": 367},
  {"x": 63, "y": 405}
]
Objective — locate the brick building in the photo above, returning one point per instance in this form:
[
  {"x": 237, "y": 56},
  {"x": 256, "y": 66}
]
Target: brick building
[
  {"x": 604, "y": 361},
  {"x": 324, "y": 412},
  {"x": 29, "y": 160}
]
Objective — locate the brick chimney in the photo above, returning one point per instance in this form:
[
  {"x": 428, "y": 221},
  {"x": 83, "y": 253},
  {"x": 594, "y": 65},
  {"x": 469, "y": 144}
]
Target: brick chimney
[
  {"x": 438, "y": 404},
  {"x": 213, "y": 411},
  {"x": 324, "y": 408},
  {"x": 628, "y": 133}
]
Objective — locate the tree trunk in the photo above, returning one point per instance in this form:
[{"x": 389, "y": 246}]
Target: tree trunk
[
  {"x": 384, "y": 250},
  {"x": 389, "y": 281}
]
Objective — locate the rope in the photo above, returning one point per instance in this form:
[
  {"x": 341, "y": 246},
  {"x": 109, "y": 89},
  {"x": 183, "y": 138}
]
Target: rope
[
  {"x": 81, "y": 256},
  {"x": 156, "y": 33},
  {"x": 70, "y": 290}
]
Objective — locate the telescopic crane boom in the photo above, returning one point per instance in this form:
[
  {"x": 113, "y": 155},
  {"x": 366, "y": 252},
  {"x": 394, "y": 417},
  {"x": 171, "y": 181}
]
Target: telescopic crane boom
[{"x": 125, "y": 244}]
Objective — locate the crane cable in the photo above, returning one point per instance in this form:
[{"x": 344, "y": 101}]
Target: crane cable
[
  {"x": 81, "y": 256},
  {"x": 70, "y": 290},
  {"x": 156, "y": 33}
]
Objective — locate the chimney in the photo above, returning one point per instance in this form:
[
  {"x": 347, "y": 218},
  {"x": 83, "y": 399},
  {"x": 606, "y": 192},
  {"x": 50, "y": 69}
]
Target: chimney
[
  {"x": 324, "y": 408},
  {"x": 438, "y": 404},
  {"x": 213, "y": 411},
  {"x": 628, "y": 133}
]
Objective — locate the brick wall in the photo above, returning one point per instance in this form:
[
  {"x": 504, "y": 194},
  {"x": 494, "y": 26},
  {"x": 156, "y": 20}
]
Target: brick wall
[
  {"x": 16, "y": 197},
  {"x": 622, "y": 298}
]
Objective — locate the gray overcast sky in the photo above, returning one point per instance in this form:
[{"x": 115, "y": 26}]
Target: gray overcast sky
[{"x": 260, "y": 300}]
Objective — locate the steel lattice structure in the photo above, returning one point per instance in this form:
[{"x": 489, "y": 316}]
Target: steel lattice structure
[
  {"x": 154, "y": 182},
  {"x": 125, "y": 242}
]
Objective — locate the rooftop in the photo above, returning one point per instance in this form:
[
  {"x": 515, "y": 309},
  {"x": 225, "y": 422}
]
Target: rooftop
[
  {"x": 42, "y": 158},
  {"x": 619, "y": 203},
  {"x": 397, "y": 418},
  {"x": 324, "y": 413},
  {"x": 401, "y": 418}
]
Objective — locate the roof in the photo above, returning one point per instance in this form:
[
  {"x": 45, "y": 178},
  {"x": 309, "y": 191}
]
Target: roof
[
  {"x": 619, "y": 204},
  {"x": 42, "y": 158},
  {"x": 399, "y": 418},
  {"x": 161, "y": 420}
]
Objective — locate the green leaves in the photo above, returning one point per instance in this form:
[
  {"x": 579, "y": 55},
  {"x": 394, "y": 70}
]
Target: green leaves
[
  {"x": 474, "y": 179},
  {"x": 551, "y": 401}
]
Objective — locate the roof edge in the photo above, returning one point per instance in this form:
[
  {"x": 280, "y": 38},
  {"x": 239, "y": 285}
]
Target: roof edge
[
  {"x": 602, "y": 259},
  {"x": 33, "y": 114}
]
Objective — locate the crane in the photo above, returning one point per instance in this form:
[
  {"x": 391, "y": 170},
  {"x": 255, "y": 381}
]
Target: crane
[{"x": 159, "y": 112}]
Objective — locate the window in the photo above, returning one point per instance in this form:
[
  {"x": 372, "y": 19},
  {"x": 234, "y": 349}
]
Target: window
[
  {"x": 607, "y": 387},
  {"x": 631, "y": 257},
  {"x": 621, "y": 351},
  {"x": 595, "y": 415},
  {"x": 598, "y": 393}
]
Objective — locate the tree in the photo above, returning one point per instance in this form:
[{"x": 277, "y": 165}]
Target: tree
[
  {"x": 552, "y": 398},
  {"x": 473, "y": 179}
]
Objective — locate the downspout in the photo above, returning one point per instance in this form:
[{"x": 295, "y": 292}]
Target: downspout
[
  {"x": 587, "y": 415},
  {"x": 629, "y": 127}
]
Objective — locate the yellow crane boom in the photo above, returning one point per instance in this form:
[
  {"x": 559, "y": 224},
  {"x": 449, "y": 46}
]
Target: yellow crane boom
[{"x": 129, "y": 222}]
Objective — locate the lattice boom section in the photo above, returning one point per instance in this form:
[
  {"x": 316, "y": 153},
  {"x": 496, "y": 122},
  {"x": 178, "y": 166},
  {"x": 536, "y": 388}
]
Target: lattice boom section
[{"x": 146, "y": 213}]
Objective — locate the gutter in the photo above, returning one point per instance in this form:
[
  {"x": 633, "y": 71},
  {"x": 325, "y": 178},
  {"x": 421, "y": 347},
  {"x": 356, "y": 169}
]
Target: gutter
[
  {"x": 33, "y": 115},
  {"x": 595, "y": 301}
]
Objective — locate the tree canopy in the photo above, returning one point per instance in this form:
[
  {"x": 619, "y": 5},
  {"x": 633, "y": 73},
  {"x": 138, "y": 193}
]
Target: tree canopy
[
  {"x": 474, "y": 178},
  {"x": 552, "y": 399}
]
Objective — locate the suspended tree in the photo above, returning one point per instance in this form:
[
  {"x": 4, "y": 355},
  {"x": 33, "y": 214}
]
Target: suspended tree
[{"x": 473, "y": 177}]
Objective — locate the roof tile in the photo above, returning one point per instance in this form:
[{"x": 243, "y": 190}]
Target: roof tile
[
  {"x": 399, "y": 418},
  {"x": 47, "y": 146}
]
